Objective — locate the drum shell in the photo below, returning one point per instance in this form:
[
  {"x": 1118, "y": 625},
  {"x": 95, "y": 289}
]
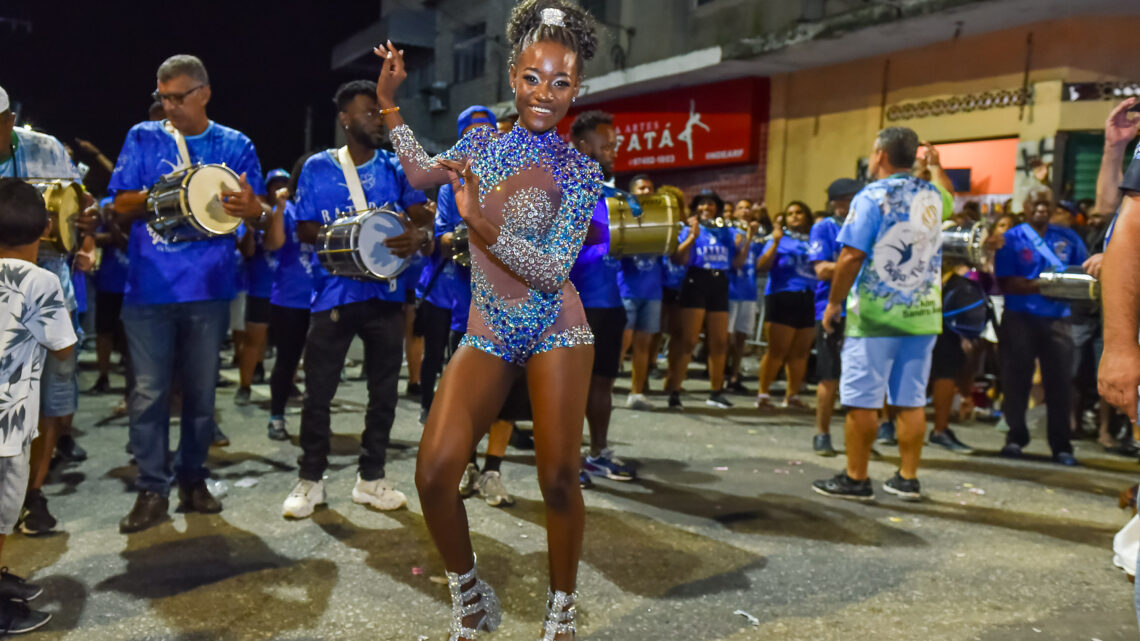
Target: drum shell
[
  {"x": 654, "y": 232},
  {"x": 1069, "y": 286},
  {"x": 967, "y": 245},
  {"x": 461, "y": 246},
  {"x": 170, "y": 212},
  {"x": 64, "y": 201},
  {"x": 338, "y": 248}
]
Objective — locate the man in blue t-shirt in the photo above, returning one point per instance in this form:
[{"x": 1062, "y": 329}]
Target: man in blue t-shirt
[
  {"x": 823, "y": 251},
  {"x": 595, "y": 275},
  {"x": 344, "y": 308},
  {"x": 890, "y": 264},
  {"x": 176, "y": 300},
  {"x": 1036, "y": 328}
]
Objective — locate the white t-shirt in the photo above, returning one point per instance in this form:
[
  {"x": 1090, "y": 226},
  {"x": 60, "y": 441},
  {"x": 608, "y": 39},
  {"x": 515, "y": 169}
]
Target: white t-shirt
[{"x": 33, "y": 320}]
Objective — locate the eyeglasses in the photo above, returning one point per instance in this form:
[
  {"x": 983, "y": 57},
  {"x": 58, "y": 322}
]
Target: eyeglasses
[{"x": 174, "y": 98}]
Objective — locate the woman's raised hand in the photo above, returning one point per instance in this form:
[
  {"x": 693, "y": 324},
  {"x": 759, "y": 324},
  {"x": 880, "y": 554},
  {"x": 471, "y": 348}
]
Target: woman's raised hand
[
  {"x": 392, "y": 74},
  {"x": 465, "y": 184}
]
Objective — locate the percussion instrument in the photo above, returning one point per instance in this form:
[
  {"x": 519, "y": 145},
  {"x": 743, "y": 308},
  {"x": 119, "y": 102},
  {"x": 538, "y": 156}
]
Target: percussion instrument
[
  {"x": 655, "y": 231},
  {"x": 967, "y": 244},
  {"x": 1069, "y": 285},
  {"x": 187, "y": 204},
  {"x": 353, "y": 246},
  {"x": 64, "y": 202},
  {"x": 461, "y": 246}
]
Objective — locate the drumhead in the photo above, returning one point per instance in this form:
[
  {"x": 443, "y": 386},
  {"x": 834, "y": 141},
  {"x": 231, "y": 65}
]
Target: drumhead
[
  {"x": 376, "y": 227},
  {"x": 203, "y": 197},
  {"x": 64, "y": 200}
]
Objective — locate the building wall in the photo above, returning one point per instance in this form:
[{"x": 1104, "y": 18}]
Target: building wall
[{"x": 824, "y": 120}]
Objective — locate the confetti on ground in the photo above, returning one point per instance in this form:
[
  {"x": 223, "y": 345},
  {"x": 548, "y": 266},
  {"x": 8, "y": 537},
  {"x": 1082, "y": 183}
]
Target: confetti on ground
[
  {"x": 417, "y": 571},
  {"x": 248, "y": 481},
  {"x": 895, "y": 519},
  {"x": 720, "y": 469},
  {"x": 751, "y": 619}
]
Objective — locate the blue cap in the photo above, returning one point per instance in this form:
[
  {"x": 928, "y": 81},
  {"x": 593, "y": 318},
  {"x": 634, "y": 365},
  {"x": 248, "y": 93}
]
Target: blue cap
[
  {"x": 475, "y": 115},
  {"x": 275, "y": 174}
]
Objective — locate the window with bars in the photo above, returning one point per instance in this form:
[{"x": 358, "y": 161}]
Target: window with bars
[{"x": 469, "y": 53}]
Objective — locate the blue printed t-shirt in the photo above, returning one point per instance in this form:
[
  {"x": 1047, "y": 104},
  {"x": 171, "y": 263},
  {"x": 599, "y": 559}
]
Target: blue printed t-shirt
[
  {"x": 259, "y": 268},
  {"x": 641, "y": 277},
  {"x": 322, "y": 196},
  {"x": 1019, "y": 258},
  {"x": 595, "y": 272},
  {"x": 742, "y": 281},
  {"x": 111, "y": 277},
  {"x": 293, "y": 275},
  {"x": 791, "y": 270},
  {"x": 674, "y": 273},
  {"x": 452, "y": 288},
  {"x": 823, "y": 246},
  {"x": 897, "y": 222},
  {"x": 161, "y": 272},
  {"x": 713, "y": 249}
]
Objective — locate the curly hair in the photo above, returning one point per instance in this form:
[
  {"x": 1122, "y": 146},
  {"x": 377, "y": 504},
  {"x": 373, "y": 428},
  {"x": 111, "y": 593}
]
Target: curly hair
[
  {"x": 578, "y": 33},
  {"x": 588, "y": 121}
]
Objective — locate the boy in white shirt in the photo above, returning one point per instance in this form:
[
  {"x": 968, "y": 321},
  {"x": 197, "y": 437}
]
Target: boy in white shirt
[{"x": 34, "y": 326}]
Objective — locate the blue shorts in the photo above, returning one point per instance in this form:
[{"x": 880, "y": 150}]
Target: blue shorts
[
  {"x": 59, "y": 386},
  {"x": 642, "y": 315},
  {"x": 893, "y": 367}
]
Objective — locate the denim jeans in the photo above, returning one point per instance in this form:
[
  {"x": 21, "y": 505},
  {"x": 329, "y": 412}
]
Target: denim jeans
[
  {"x": 380, "y": 325},
  {"x": 162, "y": 339}
]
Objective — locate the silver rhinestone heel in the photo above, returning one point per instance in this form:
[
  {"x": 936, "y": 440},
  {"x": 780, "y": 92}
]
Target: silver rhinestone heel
[
  {"x": 560, "y": 611},
  {"x": 464, "y": 603}
]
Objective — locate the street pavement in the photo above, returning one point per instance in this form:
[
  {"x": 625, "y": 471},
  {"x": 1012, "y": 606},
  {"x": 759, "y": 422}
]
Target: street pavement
[{"x": 721, "y": 538}]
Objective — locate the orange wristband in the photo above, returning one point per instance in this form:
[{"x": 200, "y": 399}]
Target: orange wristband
[{"x": 390, "y": 110}]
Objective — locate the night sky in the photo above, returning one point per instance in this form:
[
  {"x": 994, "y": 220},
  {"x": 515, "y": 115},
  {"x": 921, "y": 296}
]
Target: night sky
[{"x": 87, "y": 68}]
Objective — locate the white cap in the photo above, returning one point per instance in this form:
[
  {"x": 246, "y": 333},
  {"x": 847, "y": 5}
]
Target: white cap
[{"x": 3, "y": 100}]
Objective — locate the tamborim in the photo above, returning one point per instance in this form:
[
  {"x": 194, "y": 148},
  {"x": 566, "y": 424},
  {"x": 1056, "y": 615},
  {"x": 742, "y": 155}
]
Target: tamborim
[
  {"x": 353, "y": 246},
  {"x": 967, "y": 245},
  {"x": 187, "y": 204},
  {"x": 64, "y": 201},
  {"x": 461, "y": 246},
  {"x": 1069, "y": 285},
  {"x": 655, "y": 231}
]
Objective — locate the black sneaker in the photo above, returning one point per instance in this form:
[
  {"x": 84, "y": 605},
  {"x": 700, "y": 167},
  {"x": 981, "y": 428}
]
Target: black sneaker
[
  {"x": 821, "y": 444},
  {"x": 70, "y": 450},
  {"x": 36, "y": 519},
  {"x": 737, "y": 387},
  {"x": 886, "y": 434},
  {"x": 675, "y": 401},
  {"x": 242, "y": 396},
  {"x": 423, "y": 415},
  {"x": 14, "y": 588},
  {"x": 1065, "y": 458},
  {"x": 413, "y": 390},
  {"x": 18, "y": 618},
  {"x": 905, "y": 489},
  {"x": 522, "y": 439},
  {"x": 584, "y": 480},
  {"x": 717, "y": 400},
  {"x": 844, "y": 487},
  {"x": 1011, "y": 450},
  {"x": 948, "y": 440},
  {"x": 220, "y": 439},
  {"x": 258, "y": 374},
  {"x": 276, "y": 430}
]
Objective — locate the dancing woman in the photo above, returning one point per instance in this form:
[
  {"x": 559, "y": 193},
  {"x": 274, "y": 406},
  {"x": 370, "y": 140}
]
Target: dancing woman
[{"x": 527, "y": 198}]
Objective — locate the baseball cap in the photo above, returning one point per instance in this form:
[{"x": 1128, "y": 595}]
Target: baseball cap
[
  {"x": 277, "y": 174},
  {"x": 841, "y": 188},
  {"x": 475, "y": 115}
]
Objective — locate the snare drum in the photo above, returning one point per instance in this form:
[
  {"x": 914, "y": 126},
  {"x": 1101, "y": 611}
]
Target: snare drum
[
  {"x": 1072, "y": 284},
  {"x": 353, "y": 246},
  {"x": 64, "y": 201},
  {"x": 187, "y": 204},
  {"x": 967, "y": 245},
  {"x": 654, "y": 232}
]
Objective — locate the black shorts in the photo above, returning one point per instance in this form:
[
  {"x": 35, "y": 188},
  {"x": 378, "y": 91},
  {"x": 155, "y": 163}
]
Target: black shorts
[
  {"x": 670, "y": 296},
  {"x": 608, "y": 324},
  {"x": 256, "y": 309},
  {"x": 108, "y": 308},
  {"x": 705, "y": 289},
  {"x": 793, "y": 309},
  {"x": 948, "y": 358},
  {"x": 828, "y": 351}
]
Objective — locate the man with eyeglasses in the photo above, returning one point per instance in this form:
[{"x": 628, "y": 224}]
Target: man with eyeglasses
[{"x": 176, "y": 303}]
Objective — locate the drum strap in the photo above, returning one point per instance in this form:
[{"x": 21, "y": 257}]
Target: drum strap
[
  {"x": 179, "y": 140},
  {"x": 1043, "y": 249},
  {"x": 351, "y": 179}
]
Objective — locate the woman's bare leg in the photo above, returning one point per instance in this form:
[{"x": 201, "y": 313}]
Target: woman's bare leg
[
  {"x": 779, "y": 345},
  {"x": 797, "y": 362},
  {"x": 471, "y": 394},
  {"x": 681, "y": 346},
  {"x": 558, "y": 381},
  {"x": 718, "y": 348},
  {"x": 252, "y": 351}
]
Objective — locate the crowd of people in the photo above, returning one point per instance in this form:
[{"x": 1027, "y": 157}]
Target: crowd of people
[{"x": 512, "y": 286}]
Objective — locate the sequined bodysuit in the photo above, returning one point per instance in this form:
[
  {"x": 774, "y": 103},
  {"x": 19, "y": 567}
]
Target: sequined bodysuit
[{"x": 541, "y": 193}]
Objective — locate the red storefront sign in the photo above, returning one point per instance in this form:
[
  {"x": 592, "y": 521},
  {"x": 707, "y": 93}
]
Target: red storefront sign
[{"x": 713, "y": 124}]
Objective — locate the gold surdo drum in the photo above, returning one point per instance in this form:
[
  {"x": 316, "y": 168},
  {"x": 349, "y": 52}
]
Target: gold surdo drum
[
  {"x": 654, "y": 232},
  {"x": 64, "y": 202}
]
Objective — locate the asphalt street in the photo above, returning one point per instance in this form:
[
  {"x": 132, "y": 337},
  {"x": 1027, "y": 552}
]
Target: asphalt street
[{"x": 721, "y": 538}]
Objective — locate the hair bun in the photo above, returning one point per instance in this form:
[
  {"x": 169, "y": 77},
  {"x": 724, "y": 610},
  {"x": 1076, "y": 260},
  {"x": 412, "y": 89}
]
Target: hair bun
[{"x": 535, "y": 20}]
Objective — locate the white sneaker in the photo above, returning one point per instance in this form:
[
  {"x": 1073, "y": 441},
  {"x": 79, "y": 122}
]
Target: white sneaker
[
  {"x": 493, "y": 491},
  {"x": 469, "y": 484},
  {"x": 638, "y": 402},
  {"x": 379, "y": 494},
  {"x": 304, "y": 498}
]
